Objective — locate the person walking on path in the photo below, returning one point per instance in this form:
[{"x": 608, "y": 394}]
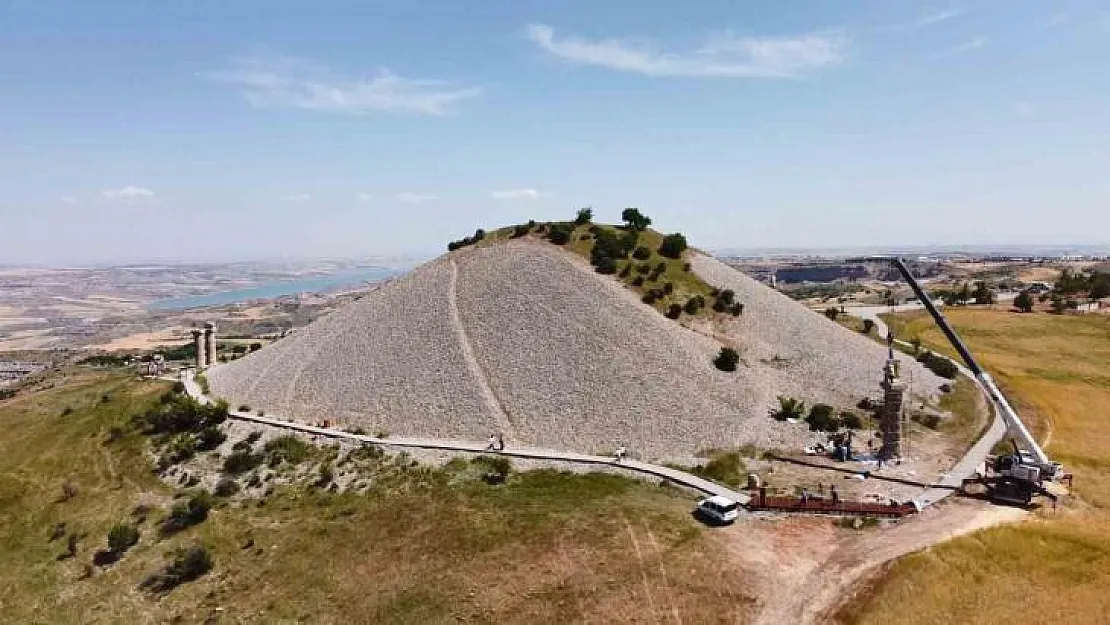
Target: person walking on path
[
  {"x": 492, "y": 443},
  {"x": 500, "y": 442},
  {"x": 620, "y": 453}
]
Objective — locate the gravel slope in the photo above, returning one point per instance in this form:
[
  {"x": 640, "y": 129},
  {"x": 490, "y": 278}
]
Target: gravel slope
[{"x": 573, "y": 359}]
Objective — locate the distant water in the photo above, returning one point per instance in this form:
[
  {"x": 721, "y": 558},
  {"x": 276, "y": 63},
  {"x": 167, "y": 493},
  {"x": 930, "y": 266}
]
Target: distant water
[{"x": 270, "y": 290}]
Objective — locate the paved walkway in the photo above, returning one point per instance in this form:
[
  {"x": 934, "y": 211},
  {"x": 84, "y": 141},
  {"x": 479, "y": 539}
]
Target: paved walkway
[{"x": 674, "y": 475}]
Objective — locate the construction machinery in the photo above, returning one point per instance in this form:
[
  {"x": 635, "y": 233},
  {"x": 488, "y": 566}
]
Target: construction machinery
[{"x": 1015, "y": 477}]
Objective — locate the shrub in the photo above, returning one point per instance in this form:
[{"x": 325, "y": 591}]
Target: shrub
[
  {"x": 188, "y": 564},
  {"x": 626, "y": 271},
  {"x": 496, "y": 468},
  {"x": 121, "y": 537},
  {"x": 686, "y": 267},
  {"x": 638, "y": 281},
  {"x": 822, "y": 419},
  {"x": 939, "y": 365},
  {"x": 673, "y": 246},
  {"x": 649, "y": 297},
  {"x": 560, "y": 233},
  {"x": 668, "y": 288},
  {"x": 287, "y": 449},
  {"x": 788, "y": 408},
  {"x": 241, "y": 461},
  {"x": 181, "y": 448},
  {"x": 737, "y": 309},
  {"x": 521, "y": 230},
  {"x": 226, "y": 488},
  {"x": 674, "y": 311},
  {"x": 641, "y": 253},
  {"x": 868, "y": 326},
  {"x": 726, "y": 468},
  {"x": 244, "y": 408},
  {"x": 209, "y": 438},
  {"x": 693, "y": 305},
  {"x": 584, "y": 216},
  {"x": 256, "y": 346},
  {"x": 479, "y": 234},
  {"x": 727, "y": 359},
  {"x": 187, "y": 514},
  {"x": 851, "y": 420},
  {"x": 832, "y": 312},
  {"x": 605, "y": 265}
]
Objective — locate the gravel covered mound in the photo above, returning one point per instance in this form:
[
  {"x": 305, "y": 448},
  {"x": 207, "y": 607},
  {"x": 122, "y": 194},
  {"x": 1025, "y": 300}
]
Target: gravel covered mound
[{"x": 524, "y": 338}]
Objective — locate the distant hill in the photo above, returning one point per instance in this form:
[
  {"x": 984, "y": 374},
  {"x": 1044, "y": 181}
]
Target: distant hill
[{"x": 511, "y": 333}]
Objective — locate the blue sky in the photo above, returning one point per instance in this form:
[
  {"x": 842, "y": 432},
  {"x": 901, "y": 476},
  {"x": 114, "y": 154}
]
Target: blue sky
[{"x": 209, "y": 130}]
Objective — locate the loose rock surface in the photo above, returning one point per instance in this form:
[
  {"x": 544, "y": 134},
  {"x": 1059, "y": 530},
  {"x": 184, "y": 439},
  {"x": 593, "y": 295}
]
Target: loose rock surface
[{"x": 523, "y": 338}]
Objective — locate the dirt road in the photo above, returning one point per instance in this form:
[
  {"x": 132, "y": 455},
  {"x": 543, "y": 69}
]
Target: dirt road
[{"x": 808, "y": 567}]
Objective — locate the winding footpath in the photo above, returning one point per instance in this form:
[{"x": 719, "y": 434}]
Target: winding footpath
[{"x": 674, "y": 475}]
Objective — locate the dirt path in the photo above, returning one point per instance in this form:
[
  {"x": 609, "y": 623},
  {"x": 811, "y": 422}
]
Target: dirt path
[
  {"x": 508, "y": 429},
  {"x": 809, "y": 567}
]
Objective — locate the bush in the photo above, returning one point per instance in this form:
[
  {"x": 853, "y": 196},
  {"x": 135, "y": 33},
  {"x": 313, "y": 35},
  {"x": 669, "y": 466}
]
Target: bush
[
  {"x": 287, "y": 449},
  {"x": 727, "y": 359},
  {"x": 187, "y": 514},
  {"x": 626, "y": 271},
  {"x": 868, "y": 326},
  {"x": 693, "y": 305},
  {"x": 737, "y": 309},
  {"x": 638, "y": 281},
  {"x": 560, "y": 233},
  {"x": 641, "y": 253},
  {"x": 256, "y": 346},
  {"x": 673, "y": 246},
  {"x": 226, "y": 488},
  {"x": 649, "y": 297},
  {"x": 496, "y": 468},
  {"x": 479, "y": 234},
  {"x": 822, "y": 419},
  {"x": 788, "y": 408},
  {"x": 939, "y": 365},
  {"x": 188, "y": 564},
  {"x": 209, "y": 438},
  {"x": 584, "y": 216},
  {"x": 674, "y": 311},
  {"x": 726, "y": 468},
  {"x": 121, "y": 537},
  {"x": 851, "y": 420},
  {"x": 241, "y": 461},
  {"x": 605, "y": 265},
  {"x": 832, "y": 312}
]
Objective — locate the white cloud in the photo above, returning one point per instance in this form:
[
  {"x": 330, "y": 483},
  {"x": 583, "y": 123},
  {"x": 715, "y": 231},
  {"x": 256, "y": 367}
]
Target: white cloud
[
  {"x": 300, "y": 197},
  {"x": 268, "y": 80},
  {"x": 414, "y": 198},
  {"x": 517, "y": 194},
  {"x": 363, "y": 197},
  {"x": 128, "y": 193},
  {"x": 725, "y": 55},
  {"x": 967, "y": 46},
  {"x": 68, "y": 199},
  {"x": 925, "y": 21}
]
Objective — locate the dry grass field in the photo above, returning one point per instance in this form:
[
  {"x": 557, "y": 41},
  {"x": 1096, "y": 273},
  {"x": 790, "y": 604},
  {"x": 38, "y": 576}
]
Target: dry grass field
[
  {"x": 424, "y": 546},
  {"x": 1055, "y": 569}
]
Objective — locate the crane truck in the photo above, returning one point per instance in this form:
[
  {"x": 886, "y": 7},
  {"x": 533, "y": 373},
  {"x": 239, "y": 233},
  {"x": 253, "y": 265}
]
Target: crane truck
[{"x": 1015, "y": 477}]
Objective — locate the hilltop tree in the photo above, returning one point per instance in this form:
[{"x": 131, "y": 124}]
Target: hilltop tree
[
  {"x": 1024, "y": 302},
  {"x": 584, "y": 216},
  {"x": 634, "y": 219}
]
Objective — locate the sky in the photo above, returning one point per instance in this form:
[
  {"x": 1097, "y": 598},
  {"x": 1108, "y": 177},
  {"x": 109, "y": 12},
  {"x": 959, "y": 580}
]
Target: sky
[{"x": 212, "y": 130}]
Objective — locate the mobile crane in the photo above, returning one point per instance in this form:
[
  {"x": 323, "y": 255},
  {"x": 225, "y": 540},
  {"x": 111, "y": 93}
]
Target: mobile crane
[{"x": 1015, "y": 477}]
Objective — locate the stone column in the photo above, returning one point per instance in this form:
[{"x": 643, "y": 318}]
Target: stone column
[
  {"x": 209, "y": 343},
  {"x": 198, "y": 342},
  {"x": 890, "y": 417}
]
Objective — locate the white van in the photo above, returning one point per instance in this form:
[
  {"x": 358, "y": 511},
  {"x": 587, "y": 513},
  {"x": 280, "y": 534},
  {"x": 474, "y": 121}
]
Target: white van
[{"x": 719, "y": 509}]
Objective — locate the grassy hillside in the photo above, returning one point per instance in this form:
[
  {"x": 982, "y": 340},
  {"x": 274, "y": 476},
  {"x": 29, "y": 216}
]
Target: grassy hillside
[
  {"x": 1056, "y": 369},
  {"x": 684, "y": 284},
  {"x": 424, "y": 545}
]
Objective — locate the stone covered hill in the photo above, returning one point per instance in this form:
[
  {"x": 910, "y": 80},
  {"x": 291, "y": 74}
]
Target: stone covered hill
[{"x": 512, "y": 333}]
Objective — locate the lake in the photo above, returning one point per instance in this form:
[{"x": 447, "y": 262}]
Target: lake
[{"x": 279, "y": 288}]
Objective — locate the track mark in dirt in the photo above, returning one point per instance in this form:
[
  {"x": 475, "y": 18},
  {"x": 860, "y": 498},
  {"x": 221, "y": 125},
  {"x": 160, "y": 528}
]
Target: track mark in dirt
[
  {"x": 643, "y": 566},
  {"x": 663, "y": 575},
  {"x": 490, "y": 397}
]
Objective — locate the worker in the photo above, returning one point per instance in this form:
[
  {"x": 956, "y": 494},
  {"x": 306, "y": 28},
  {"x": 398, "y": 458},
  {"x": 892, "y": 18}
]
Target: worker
[
  {"x": 835, "y": 495},
  {"x": 620, "y": 453},
  {"x": 492, "y": 443},
  {"x": 805, "y": 497},
  {"x": 500, "y": 442}
]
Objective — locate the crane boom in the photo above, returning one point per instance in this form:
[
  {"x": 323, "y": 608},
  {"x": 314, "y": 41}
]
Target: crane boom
[{"x": 1048, "y": 468}]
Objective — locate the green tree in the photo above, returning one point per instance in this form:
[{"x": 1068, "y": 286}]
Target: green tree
[
  {"x": 1024, "y": 302},
  {"x": 983, "y": 294},
  {"x": 584, "y": 216},
  {"x": 560, "y": 233},
  {"x": 832, "y": 312},
  {"x": 822, "y": 419},
  {"x": 634, "y": 219},
  {"x": 788, "y": 408},
  {"x": 673, "y": 245}
]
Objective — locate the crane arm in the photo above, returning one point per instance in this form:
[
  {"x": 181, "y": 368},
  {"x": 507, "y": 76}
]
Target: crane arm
[{"x": 1009, "y": 415}]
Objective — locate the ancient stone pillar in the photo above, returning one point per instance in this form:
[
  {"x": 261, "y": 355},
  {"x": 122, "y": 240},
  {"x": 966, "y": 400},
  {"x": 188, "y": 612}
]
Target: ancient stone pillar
[
  {"x": 198, "y": 342},
  {"x": 890, "y": 417},
  {"x": 209, "y": 343}
]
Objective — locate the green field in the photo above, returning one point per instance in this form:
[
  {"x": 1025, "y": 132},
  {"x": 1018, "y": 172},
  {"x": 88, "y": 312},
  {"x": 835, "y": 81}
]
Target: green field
[
  {"x": 423, "y": 545},
  {"x": 1055, "y": 568}
]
